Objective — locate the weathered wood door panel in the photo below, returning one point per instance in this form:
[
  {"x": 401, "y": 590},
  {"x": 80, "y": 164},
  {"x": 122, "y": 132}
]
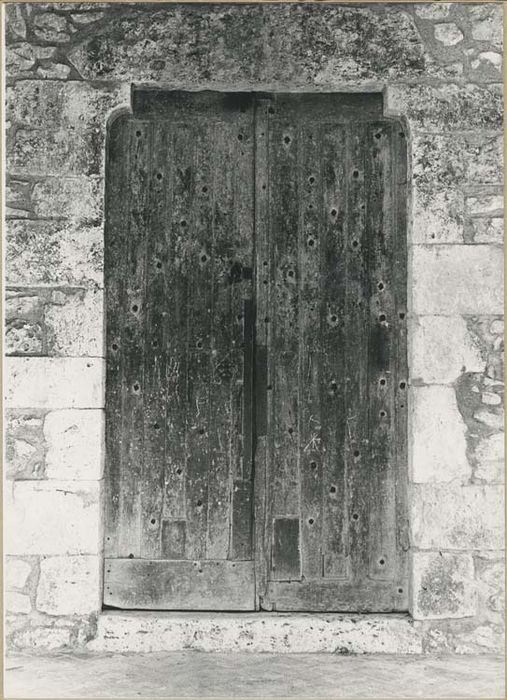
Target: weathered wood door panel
[
  {"x": 256, "y": 376},
  {"x": 180, "y": 351},
  {"x": 330, "y": 240}
]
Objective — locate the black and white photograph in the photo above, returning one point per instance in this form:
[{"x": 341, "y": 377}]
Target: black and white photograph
[{"x": 253, "y": 362}]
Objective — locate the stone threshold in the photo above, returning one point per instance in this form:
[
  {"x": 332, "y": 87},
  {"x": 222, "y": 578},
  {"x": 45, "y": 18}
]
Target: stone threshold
[{"x": 154, "y": 631}]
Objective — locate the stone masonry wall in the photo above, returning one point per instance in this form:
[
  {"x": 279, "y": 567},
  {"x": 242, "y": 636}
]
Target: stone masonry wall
[{"x": 68, "y": 69}]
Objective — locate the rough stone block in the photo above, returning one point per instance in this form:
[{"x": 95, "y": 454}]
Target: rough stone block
[
  {"x": 487, "y": 204},
  {"x": 69, "y": 585},
  {"x": 433, "y": 10},
  {"x": 490, "y": 584},
  {"x": 22, "y": 338},
  {"x": 442, "y": 347},
  {"x": 43, "y": 638},
  {"x": 118, "y": 49},
  {"x": 442, "y": 161},
  {"x": 53, "y": 253},
  {"x": 492, "y": 57},
  {"x": 457, "y": 280},
  {"x": 257, "y": 633},
  {"x": 438, "y": 108},
  {"x": 438, "y": 436},
  {"x": 17, "y": 603},
  {"x": 75, "y": 323},
  {"x": 51, "y": 27},
  {"x": 16, "y": 573},
  {"x": 17, "y": 197},
  {"x": 79, "y": 199},
  {"x": 19, "y": 58},
  {"x": 487, "y": 231},
  {"x": 57, "y": 71},
  {"x": 443, "y": 585},
  {"x": 24, "y": 318},
  {"x": 485, "y": 218},
  {"x": 487, "y": 23},
  {"x": 87, "y": 17},
  {"x": 50, "y": 382},
  {"x": 75, "y": 444},
  {"x": 486, "y": 68},
  {"x": 24, "y": 445},
  {"x": 449, "y": 516},
  {"x": 492, "y": 419},
  {"x": 15, "y": 24},
  {"x": 60, "y": 126},
  {"x": 448, "y": 34},
  {"x": 52, "y": 517},
  {"x": 490, "y": 459},
  {"x": 438, "y": 216}
]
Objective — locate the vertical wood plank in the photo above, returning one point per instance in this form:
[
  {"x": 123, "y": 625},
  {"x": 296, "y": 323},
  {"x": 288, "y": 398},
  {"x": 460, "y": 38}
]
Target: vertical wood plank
[
  {"x": 358, "y": 466},
  {"x": 399, "y": 276},
  {"x": 197, "y": 235},
  {"x": 284, "y": 348},
  {"x": 133, "y": 342},
  {"x": 263, "y": 379},
  {"x": 382, "y": 348},
  {"x": 175, "y": 334},
  {"x": 309, "y": 370},
  {"x": 117, "y": 207},
  {"x": 242, "y": 513},
  {"x": 336, "y": 350},
  {"x": 222, "y": 356},
  {"x": 155, "y": 396}
]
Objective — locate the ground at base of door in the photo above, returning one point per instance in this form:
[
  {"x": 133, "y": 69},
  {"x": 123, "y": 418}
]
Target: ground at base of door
[{"x": 245, "y": 675}]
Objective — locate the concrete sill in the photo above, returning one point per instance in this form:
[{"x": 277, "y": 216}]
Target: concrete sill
[{"x": 148, "y": 631}]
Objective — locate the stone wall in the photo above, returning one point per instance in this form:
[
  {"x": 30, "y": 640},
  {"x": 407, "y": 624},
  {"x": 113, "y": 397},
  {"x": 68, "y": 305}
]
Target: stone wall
[{"x": 69, "y": 68}]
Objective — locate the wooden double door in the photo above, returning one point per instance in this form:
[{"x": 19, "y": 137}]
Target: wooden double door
[{"x": 256, "y": 354}]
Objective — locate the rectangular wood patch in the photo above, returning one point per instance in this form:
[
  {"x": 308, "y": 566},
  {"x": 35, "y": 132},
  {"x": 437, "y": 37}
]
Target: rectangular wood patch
[
  {"x": 145, "y": 584},
  {"x": 173, "y": 539},
  {"x": 285, "y": 553}
]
